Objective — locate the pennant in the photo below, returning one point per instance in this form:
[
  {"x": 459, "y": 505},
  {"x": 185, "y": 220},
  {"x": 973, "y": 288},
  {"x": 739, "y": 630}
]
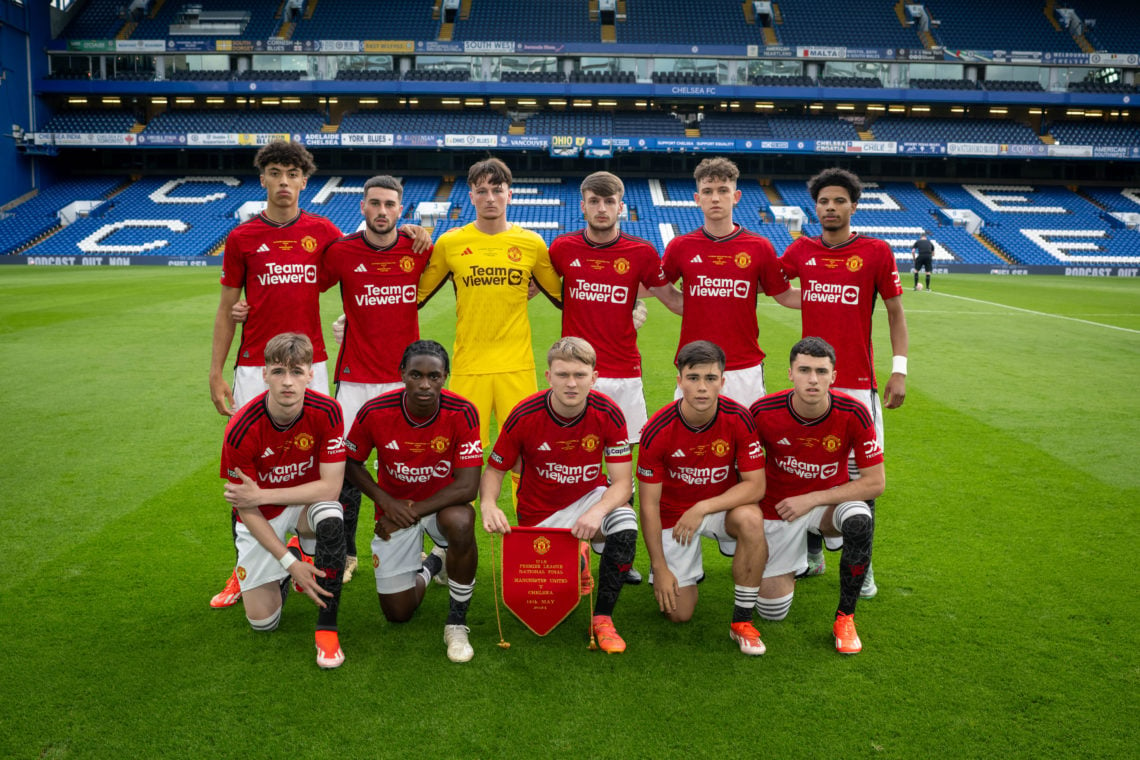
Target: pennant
[{"x": 540, "y": 576}]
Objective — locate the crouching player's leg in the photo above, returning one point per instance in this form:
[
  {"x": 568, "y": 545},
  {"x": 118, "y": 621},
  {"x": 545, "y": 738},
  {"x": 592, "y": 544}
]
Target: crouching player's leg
[
  {"x": 321, "y": 533},
  {"x": 853, "y": 521},
  {"x": 745, "y": 524},
  {"x": 458, "y": 526}
]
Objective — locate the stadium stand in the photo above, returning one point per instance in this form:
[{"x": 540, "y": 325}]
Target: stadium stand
[
  {"x": 261, "y": 26},
  {"x": 664, "y": 22},
  {"x": 548, "y": 77},
  {"x": 867, "y": 25},
  {"x": 99, "y": 20},
  {"x": 558, "y": 20},
  {"x": 775, "y": 80},
  {"x": 437, "y": 75},
  {"x": 367, "y": 75},
  {"x": 31, "y": 220},
  {"x": 986, "y": 25},
  {"x": 1006, "y": 85},
  {"x": 1045, "y": 225},
  {"x": 801, "y": 128},
  {"x": 552, "y": 123},
  {"x": 426, "y": 122},
  {"x": 652, "y": 124},
  {"x": 842, "y": 81},
  {"x": 1081, "y": 133},
  {"x": 918, "y": 83},
  {"x": 599, "y": 77},
  {"x": 1115, "y": 31},
  {"x": 952, "y": 130},
  {"x": 363, "y": 19},
  {"x": 176, "y": 122},
  {"x": 99, "y": 121},
  {"x": 1102, "y": 88}
]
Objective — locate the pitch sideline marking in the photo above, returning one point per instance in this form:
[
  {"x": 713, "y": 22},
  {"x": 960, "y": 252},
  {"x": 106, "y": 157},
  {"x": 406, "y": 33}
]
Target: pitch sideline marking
[{"x": 1040, "y": 313}]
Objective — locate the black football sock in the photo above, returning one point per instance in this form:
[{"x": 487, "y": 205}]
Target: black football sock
[
  {"x": 854, "y": 561},
  {"x": 617, "y": 559},
  {"x": 350, "y": 500},
  {"x": 460, "y": 600},
  {"x": 330, "y": 558}
]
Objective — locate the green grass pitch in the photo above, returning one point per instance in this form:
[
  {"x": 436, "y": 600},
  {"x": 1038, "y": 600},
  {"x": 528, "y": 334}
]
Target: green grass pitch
[{"x": 1005, "y": 626}]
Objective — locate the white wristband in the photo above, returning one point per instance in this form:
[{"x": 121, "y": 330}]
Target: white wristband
[
  {"x": 287, "y": 560},
  {"x": 898, "y": 365}
]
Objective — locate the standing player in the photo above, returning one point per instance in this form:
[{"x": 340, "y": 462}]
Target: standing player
[
  {"x": 602, "y": 270},
  {"x": 808, "y": 432},
  {"x": 701, "y": 472},
  {"x": 427, "y": 443},
  {"x": 923, "y": 251},
  {"x": 283, "y": 459},
  {"x": 842, "y": 275},
  {"x": 274, "y": 257},
  {"x": 378, "y": 271},
  {"x": 558, "y": 439},
  {"x": 491, "y": 262},
  {"x": 723, "y": 265}
]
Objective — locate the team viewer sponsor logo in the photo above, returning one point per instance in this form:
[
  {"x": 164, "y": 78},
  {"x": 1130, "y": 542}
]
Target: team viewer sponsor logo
[
  {"x": 287, "y": 472},
  {"x": 827, "y": 292},
  {"x": 807, "y": 470},
  {"x": 569, "y": 474},
  {"x": 407, "y": 474},
  {"x": 699, "y": 476},
  {"x": 288, "y": 274},
  {"x": 600, "y": 292},
  {"x": 720, "y": 287},
  {"x": 384, "y": 295},
  {"x": 481, "y": 276}
]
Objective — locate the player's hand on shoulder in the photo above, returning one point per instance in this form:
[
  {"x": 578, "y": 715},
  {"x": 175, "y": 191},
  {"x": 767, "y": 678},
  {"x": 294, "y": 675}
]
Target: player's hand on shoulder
[
  {"x": 240, "y": 311},
  {"x": 421, "y": 238}
]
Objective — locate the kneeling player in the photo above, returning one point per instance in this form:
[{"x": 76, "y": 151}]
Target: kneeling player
[
  {"x": 429, "y": 456},
  {"x": 283, "y": 456},
  {"x": 808, "y": 432},
  {"x": 557, "y": 439},
  {"x": 701, "y": 473}
]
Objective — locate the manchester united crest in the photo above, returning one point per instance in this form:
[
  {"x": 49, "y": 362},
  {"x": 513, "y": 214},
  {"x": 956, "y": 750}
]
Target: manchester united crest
[
  {"x": 541, "y": 545},
  {"x": 309, "y": 243},
  {"x": 514, "y": 254},
  {"x": 621, "y": 266},
  {"x": 742, "y": 259},
  {"x": 241, "y": 573},
  {"x": 439, "y": 444},
  {"x": 407, "y": 263},
  {"x": 590, "y": 443},
  {"x": 831, "y": 444},
  {"x": 303, "y": 441},
  {"x": 854, "y": 264},
  {"x": 720, "y": 447}
]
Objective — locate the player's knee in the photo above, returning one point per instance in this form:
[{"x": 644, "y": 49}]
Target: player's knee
[
  {"x": 748, "y": 522},
  {"x": 458, "y": 524},
  {"x": 679, "y": 616},
  {"x": 394, "y": 612},
  {"x": 853, "y": 519},
  {"x": 774, "y": 609},
  {"x": 265, "y": 625}
]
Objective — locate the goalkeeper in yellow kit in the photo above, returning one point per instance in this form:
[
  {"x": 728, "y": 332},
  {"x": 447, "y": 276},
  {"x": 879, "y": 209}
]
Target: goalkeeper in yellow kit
[{"x": 491, "y": 262}]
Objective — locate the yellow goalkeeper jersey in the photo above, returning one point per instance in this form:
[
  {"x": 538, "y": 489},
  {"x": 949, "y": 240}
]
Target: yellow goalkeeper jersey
[{"x": 491, "y": 274}]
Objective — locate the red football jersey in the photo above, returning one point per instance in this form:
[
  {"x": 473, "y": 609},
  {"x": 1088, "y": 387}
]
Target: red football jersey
[
  {"x": 839, "y": 288},
  {"x": 416, "y": 458},
  {"x": 599, "y": 288},
  {"x": 276, "y": 458},
  {"x": 277, "y": 265},
  {"x": 562, "y": 459},
  {"x": 378, "y": 291},
  {"x": 810, "y": 455},
  {"x": 720, "y": 278},
  {"x": 692, "y": 464}
]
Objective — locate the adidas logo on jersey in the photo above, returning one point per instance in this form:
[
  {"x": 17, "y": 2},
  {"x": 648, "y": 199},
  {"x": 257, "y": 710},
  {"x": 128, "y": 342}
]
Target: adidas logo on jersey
[
  {"x": 810, "y": 262},
  {"x": 697, "y": 259},
  {"x": 678, "y": 453},
  {"x": 544, "y": 447},
  {"x": 267, "y": 453},
  {"x": 263, "y": 249},
  {"x": 393, "y": 445},
  {"x": 575, "y": 263},
  {"x": 361, "y": 268},
  {"x": 784, "y": 442}
]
